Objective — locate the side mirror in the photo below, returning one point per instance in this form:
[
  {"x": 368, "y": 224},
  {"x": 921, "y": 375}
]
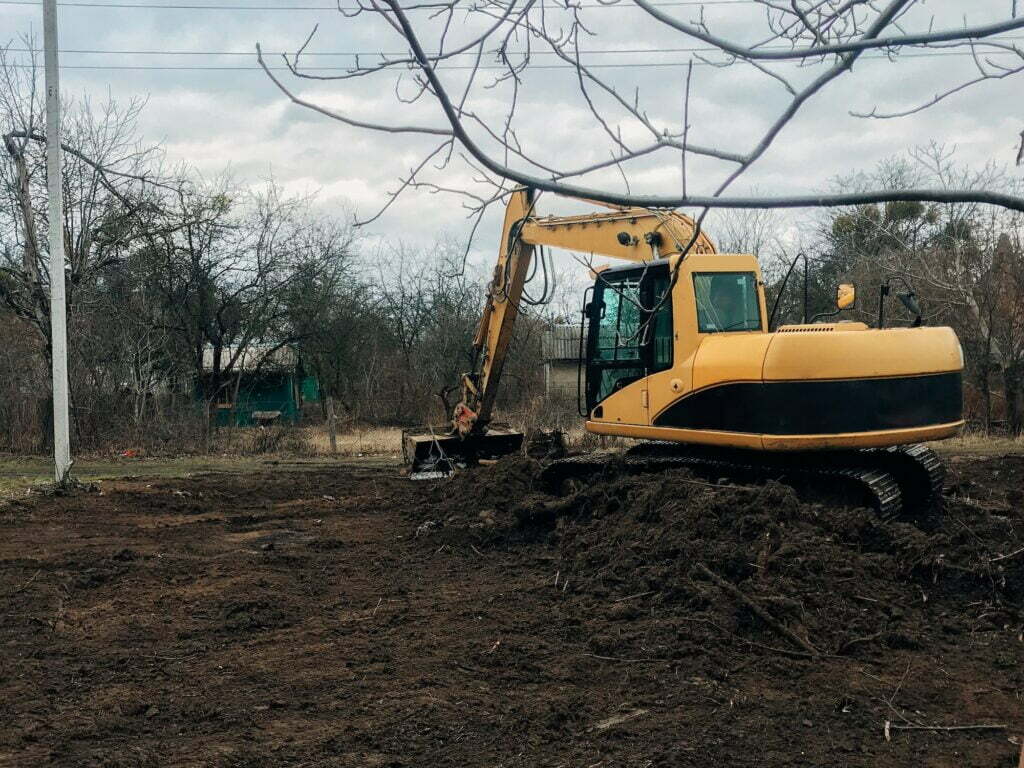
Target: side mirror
[{"x": 846, "y": 296}]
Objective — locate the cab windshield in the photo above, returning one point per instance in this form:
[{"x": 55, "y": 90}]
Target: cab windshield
[{"x": 727, "y": 301}]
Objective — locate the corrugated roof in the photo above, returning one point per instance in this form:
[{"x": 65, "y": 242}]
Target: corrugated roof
[{"x": 254, "y": 356}]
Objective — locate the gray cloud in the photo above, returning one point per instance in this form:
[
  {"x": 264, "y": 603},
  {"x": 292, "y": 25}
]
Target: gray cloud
[{"x": 213, "y": 119}]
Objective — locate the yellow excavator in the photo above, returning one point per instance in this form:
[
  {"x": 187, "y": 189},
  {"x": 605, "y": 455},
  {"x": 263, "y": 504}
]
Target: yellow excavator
[{"x": 677, "y": 353}]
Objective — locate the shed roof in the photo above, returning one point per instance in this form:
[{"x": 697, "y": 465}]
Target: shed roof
[{"x": 252, "y": 357}]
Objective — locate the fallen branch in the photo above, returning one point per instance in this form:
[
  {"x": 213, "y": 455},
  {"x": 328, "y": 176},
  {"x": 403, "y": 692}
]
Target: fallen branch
[
  {"x": 627, "y": 661},
  {"x": 890, "y": 726},
  {"x": 760, "y": 612},
  {"x": 1007, "y": 556},
  {"x": 614, "y": 720},
  {"x": 783, "y": 651}
]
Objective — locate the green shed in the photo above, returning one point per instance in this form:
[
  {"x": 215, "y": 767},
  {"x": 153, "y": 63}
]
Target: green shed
[{"x": 265, "y": 386}]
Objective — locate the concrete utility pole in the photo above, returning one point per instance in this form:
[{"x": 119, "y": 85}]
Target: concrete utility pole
[{"x": 58, "y": 310}]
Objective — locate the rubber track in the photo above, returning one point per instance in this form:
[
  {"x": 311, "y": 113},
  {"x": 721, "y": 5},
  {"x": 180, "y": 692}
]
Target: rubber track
[
  {"x": 921, "y": 475},
  {"x": 858, "y": 468}
]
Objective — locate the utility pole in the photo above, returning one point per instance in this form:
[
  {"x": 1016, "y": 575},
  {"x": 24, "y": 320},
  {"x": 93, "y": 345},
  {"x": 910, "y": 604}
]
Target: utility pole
[{"x": 58, "y": 309}]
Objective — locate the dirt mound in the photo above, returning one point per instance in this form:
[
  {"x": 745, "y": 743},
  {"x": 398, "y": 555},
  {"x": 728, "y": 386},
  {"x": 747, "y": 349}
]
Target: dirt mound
[
  {"x": 752, "y": 563},
  {"x": 723, "y": 564},
  {"x": 794, "y": 612},
  {"x": 483, "y": 499}
]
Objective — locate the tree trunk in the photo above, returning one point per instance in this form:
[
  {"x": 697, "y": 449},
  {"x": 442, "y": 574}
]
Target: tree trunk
[
  {"x": 332, "y": 424},
  {"x": 985, "y": 390},
  {"x": 1012, "y": 389},
  {"x": 234, "y": 399}
]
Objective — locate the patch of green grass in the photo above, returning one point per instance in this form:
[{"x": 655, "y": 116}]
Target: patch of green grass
[
  {"x": 20, "y": 473},
  {"x": 17, "y": 474}
]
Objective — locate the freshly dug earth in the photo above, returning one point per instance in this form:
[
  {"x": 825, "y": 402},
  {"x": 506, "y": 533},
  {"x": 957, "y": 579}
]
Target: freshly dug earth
[{"x": 350, "y": 617}]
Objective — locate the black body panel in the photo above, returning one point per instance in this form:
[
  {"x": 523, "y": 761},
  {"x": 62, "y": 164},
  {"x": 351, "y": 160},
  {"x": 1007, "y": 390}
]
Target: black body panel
[{"x": 820, "y": 407}]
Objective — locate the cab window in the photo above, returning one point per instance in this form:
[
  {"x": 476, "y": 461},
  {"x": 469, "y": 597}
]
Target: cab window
[
  {"x": 727, "y": 301},
  {"x": 618, "y": 335},
  {"x": 661, "y": 324}
]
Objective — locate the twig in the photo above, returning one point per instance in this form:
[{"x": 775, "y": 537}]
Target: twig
[
  {"x": 1006, "y": 556},
  {"x": 762, "y": 646},
  {"x": 630, "y": 597},
  {"x": 706, "y": 484},
  {"x": 846, "y": 645},
  {"x": 895, "y": 693},
  {"x": 773, "y": 649},
  {"x": 760, "y": 612},
  {"x": 24, "y": 586},
  {"x": 686, "y": 123},
  {"x": 614, "y": 720},
  {"x": 890, "y": 726},
  {"x": 627, "y": 661}
]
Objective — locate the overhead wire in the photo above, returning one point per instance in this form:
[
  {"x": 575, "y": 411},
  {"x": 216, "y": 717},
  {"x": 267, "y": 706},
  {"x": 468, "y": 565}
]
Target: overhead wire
[
  {"x": 306, "y": 54},
  {"x": 457, "y": 67},
  {"x": 249, "y": 7}
]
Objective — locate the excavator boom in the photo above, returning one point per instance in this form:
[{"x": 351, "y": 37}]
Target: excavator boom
[{"x": 631, "y": 234}]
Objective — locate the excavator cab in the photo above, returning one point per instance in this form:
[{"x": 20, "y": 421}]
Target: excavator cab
[
  {"x": 646, "y": 324},
  {"x": 630, "y": 332}
]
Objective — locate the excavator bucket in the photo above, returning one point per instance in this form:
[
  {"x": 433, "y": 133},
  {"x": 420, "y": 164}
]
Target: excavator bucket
[{"x": 432, "y": 453}]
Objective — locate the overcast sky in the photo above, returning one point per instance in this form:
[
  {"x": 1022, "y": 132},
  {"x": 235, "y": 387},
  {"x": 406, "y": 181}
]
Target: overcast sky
[{"x": 213, "y": 118}]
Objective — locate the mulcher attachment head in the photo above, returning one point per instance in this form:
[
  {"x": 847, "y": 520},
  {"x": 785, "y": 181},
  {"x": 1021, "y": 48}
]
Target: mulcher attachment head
[{"x": 432, "y": 453}]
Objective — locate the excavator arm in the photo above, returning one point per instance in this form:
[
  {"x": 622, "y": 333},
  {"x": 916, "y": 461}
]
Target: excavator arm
[{"x": 630, "y": 234}]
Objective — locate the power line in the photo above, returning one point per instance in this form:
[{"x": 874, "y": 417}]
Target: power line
[
  {"x": 204, "y": 7},
  {"x": 86, "y": 51},
  {"x": 305, "y": 54},
  {"x": 445, "y": 68}
]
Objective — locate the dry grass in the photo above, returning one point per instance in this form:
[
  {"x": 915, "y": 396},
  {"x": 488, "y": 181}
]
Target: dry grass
[
  {"x": 980, "y": 444},
  {"x": 371, "y": 441},
  {"x": 307, "y": 442},
  {"x": 356, "y": 442},
  {"x": 247, "y": 449}
]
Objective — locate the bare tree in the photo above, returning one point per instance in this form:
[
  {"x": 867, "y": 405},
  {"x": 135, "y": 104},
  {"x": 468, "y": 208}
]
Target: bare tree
[
  {"x": 961, "y": 258},
  {"x": 446, "y": 90},
  {"x": 109, "y": 178},
  {"x": 240, "y": 274}
]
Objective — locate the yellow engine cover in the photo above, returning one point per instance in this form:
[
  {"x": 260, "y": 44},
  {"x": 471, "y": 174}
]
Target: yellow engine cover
[{"x": 839, "y": 385}]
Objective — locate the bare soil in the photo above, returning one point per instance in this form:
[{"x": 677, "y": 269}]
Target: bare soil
[{"x": 350, "y": 617}]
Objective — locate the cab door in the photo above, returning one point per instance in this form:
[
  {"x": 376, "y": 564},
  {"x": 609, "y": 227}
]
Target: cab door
[
  {"x": 614, "y": 358},
  {"x": 630, "y": 337}
]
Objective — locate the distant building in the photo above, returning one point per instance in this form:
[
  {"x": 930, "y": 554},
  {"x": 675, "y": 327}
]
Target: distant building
[
  {"x": 266, "y": 386},
  {"x": 560, "y": 349}
]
